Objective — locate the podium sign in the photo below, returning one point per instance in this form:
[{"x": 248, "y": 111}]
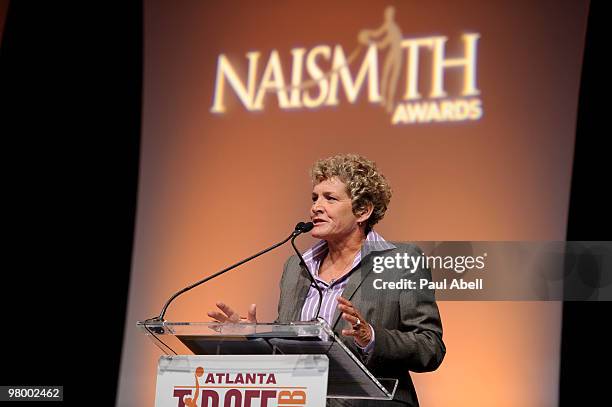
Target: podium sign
[{"x": 242, "y": 381}]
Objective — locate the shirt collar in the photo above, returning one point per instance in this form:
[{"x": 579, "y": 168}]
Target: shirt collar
[{"x": 373, "y": 243}]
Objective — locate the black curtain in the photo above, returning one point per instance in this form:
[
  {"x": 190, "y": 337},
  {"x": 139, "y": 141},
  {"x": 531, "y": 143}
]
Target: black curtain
[
  {"x": 71, "y": 96},
  {"x": 586, "y": 341}
]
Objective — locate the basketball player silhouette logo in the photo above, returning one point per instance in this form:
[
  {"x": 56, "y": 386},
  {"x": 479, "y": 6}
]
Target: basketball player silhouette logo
[
  {"x": 388, "y": 35},
  {"x": 192, "y": 401}
]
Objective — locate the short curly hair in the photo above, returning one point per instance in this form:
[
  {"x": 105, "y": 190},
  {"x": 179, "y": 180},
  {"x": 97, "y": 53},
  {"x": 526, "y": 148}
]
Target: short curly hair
[{"x": 365, "y": 184}]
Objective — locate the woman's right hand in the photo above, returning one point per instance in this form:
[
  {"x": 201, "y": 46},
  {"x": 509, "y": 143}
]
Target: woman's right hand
[{"x": 231, "y": 316}]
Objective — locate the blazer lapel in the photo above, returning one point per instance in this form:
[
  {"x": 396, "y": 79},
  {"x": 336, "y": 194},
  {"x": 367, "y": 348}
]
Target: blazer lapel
[
  {"x": 354, "y": 282},
  {"x": 301, "y": 291}
]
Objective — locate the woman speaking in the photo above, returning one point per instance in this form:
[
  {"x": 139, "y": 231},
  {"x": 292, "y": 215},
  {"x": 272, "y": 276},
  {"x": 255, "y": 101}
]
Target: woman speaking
[{"x": 391, "y": 331}]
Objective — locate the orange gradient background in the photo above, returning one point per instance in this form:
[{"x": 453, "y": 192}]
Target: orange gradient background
[{"x": 217, "y": 188}]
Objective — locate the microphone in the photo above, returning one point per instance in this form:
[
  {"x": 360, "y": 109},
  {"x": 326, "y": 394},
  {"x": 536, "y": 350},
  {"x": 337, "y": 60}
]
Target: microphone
[
  {"x": 299, "y": 229},
  {"x": 303, "y": 228}
]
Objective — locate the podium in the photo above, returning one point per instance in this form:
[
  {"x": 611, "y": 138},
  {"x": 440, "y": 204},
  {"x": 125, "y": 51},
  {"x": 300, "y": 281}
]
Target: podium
[{"x": 347, "y": 376}]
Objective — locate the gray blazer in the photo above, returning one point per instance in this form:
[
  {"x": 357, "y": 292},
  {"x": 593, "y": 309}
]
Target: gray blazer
[{"x": 407, "y": 326}]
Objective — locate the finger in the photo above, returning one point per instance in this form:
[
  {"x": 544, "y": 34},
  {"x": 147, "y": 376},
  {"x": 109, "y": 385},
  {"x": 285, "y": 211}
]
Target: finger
[
  {"x": 252, "y": 314},
  {"x": 351, "y": 319},
  {"x": 226, "y": 309},
  {"x": 351, "y": 311},
  {"x": 217, "y": 316},
  {"x": 344, "y": 301},
  {"x": 350, "y": 332},
  {"x": 346, "y": 309}
]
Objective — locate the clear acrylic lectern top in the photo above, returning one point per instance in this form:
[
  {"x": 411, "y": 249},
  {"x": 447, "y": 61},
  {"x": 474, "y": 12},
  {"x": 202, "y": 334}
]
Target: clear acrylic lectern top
[{"x": 348, "y": 377}]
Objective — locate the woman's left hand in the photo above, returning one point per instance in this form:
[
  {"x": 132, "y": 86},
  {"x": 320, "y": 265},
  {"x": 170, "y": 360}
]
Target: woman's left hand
[{"x": 360, "y": 329}]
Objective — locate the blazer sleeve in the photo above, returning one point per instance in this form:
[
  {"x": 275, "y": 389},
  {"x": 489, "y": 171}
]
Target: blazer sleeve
[{"x": 416, "y": 343}]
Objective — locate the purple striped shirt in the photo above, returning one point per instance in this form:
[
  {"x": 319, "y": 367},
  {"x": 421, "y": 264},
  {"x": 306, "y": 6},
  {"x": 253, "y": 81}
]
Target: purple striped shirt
[{"x": 313, "y": 258}]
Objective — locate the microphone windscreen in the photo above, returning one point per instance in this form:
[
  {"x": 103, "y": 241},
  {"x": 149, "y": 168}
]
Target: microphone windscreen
[
  {"x": 304, "y": 227},
  {"x": 307, "y": 227}
]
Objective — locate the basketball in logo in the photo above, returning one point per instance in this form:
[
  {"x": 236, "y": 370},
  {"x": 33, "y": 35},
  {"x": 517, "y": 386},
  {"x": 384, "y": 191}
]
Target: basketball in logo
[{"x": 199, "y": 371}]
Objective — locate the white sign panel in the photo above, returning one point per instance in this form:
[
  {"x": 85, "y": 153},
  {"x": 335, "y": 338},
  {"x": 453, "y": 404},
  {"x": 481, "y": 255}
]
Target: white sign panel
[{"x": 242, "y": 381}]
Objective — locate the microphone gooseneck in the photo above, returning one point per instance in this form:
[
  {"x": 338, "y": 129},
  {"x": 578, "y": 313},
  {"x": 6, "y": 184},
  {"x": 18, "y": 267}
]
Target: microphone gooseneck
[
  {"x": 307, "y": 227},
  {"x": 299, "y": 229}
]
